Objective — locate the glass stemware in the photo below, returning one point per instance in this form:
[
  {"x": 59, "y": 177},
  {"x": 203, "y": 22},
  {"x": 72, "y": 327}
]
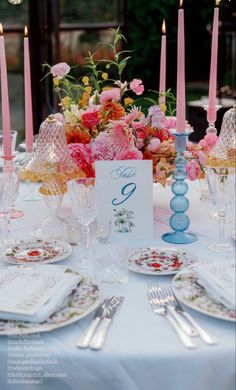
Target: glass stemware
[
  {"x": 11, "y": 180},
  {"x": 82, "y": 195},
  {"x": 221, "y": 186},
  {"x": 52, "y": 226}
]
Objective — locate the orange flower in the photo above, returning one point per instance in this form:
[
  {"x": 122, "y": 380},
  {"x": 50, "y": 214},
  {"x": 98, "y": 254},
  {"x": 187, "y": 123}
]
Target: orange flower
[
  {"x": 76, "y": 134},
  {"x": 111, "y": 111}
]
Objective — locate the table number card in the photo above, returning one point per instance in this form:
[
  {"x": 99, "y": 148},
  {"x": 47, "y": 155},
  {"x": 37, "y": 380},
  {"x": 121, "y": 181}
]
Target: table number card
[{"x": 125, "y": 196}]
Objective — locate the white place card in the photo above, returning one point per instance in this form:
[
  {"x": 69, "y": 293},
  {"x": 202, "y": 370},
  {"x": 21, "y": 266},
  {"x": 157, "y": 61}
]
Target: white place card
[{"x": 125, "y": 196}]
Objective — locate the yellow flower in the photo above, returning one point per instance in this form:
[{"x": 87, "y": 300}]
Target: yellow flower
[
  {"x": 105, "y": 76},
  {"x": 128, "y": 101},
  {"x": 85, "y": 80},
  {"x": 88, "y": 90},
  {"x": 66, "y": 102},
  {"x": 56, "y": 81},
  {"x": 163, "y": 107}
]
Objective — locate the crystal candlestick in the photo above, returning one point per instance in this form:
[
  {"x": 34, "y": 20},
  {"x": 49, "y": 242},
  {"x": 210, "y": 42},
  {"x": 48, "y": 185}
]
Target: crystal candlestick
[
  {"x": 179, "y": 221},
  {"x": 211, "y": 129}
]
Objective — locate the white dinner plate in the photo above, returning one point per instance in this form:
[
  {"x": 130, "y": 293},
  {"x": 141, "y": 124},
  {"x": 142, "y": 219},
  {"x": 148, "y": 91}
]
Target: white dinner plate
[
  {"x": 37, "y": 251},
  {"x": 189, "y": 292},
  {"x": 160, "y": 261},
  {"x": 82, "y": 301}
]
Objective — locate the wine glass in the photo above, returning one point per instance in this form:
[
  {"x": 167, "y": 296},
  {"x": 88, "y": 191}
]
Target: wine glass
[
  {"x": 52, "y": 226},
  {"x": 221, "y": 183},
  {"x": 11, "y": 181},
  {"x": 82, "y": 195}
]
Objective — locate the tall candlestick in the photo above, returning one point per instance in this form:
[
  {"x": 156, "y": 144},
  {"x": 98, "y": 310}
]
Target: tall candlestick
[
  {"x": 162, "y": 84},
  {"x": 29, "y": 134},
  {"x": 211, "y": 112},
  {"x": 6, "y": 120},
  {"x": 180, "y": 95}
]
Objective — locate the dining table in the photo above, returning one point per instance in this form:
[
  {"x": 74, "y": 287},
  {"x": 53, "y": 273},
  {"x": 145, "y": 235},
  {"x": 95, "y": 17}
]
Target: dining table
[{"x": 141, "y": 350}]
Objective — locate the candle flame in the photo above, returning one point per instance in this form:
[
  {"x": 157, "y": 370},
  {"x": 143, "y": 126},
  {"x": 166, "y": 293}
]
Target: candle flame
[
  {"x": 217, "y": 3},
  {"x": 1, "y": 29},
  {"x": 163, "y": 29},
  {"x": 181, "y": 3},
  {"x": 26, "y": 31}
]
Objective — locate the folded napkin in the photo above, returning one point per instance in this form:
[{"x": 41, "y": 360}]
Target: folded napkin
[
  {"x": 219, "y": 281},
  {"x": 33, "y": 293}
]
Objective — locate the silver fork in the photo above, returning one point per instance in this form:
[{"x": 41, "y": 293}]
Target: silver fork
[
  {"x": 164, "y": 293},
  {"x": 206, "y": 337},
  {"x": 159, "y": 307}
]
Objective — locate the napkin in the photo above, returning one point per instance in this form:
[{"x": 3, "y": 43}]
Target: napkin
[
  {"x": 218, "y": 279},
  {"x": 33, "y": 293}
]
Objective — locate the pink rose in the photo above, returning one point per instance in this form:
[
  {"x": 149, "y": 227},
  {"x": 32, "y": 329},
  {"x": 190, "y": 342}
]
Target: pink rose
[
  {"x": 193, "y": 170},
  {"x": 110, "y": 94},
  {"x": 102, "y": 148},
  {"x": 136, "y": 86},
  {"x": 60, "y": 70},
  {"x": 211, "y": 139},
  {"x": 129, "y": 154},
  {"x": 154, "y": 145},
  {"x": 81, "y": 154},
  {"x": 90, "y": 117}
]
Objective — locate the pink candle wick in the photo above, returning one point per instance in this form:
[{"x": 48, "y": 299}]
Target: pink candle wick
[{"x": 162, "y": 83}]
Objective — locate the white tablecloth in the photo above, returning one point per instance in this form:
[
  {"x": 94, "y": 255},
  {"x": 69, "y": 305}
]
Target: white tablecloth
[{"x": 141, "y": 351}]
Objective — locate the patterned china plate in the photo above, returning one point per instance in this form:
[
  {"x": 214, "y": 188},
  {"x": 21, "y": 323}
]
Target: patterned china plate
[
  {"x": 37, "y": 251},
  {"x": 193, "y": 295},
  {"x": 82, "y": 301},
  {"x": 160, "y": 261}
]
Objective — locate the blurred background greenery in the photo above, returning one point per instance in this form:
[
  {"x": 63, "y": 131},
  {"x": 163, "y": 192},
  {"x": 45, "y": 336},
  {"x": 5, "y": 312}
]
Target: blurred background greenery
[{"x": 64, "y": 30}]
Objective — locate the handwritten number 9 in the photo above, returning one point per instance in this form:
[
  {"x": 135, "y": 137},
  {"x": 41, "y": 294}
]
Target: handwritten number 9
[{"x": 126, "y": 191}]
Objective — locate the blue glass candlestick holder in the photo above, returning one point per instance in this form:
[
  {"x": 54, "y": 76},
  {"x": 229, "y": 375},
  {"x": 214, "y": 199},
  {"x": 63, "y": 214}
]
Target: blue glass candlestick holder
[{"x": 179, "y": 221}]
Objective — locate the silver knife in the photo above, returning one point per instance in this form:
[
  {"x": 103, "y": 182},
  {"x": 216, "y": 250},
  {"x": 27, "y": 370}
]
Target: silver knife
[
  {"x": 98, "y": 339},
  {"x": 85, "y": 338}
]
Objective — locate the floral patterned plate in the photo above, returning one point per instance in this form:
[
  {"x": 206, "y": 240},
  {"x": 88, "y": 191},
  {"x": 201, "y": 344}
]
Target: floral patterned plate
[
  {"x": 160, "y": 261},
  {"x": 37, "y": 251},
  {"x": 82, "y": 301},
  {"x": 193, "y": 295}
]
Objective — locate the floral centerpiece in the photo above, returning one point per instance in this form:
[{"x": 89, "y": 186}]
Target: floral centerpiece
[{"x": 107, "y": 119}]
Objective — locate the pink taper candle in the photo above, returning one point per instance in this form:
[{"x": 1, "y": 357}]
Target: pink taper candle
[
  {"x": 29, "y": 134},
  {"x": 6, "y": 120},
  {"x": 211, "y": 113},
  {"x": 162, "y": 84},
  {"x": 180, "y": 95}
]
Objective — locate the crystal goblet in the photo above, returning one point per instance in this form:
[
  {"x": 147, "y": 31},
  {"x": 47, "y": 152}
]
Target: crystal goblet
[
  {"x": 10, "y": 178},
  {"x": 221, "y": 183},
  {"x": 82, "y": 195},
  {"x": 52, "y": 226}
]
